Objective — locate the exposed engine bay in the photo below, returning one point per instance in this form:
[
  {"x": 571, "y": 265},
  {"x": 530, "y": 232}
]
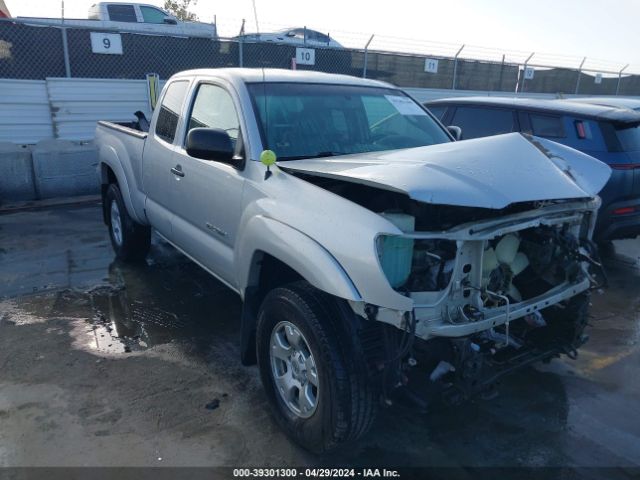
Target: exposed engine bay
[
  {"x": 515, "y": 294},
  {"x": 484, "y": 308},
  {"x": 516, "y": 268},
  {"x": 493, "y": 290}
]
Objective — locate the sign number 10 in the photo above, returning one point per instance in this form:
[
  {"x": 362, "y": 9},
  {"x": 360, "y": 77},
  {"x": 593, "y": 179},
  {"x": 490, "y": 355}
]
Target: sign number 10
[{"x": 305, "y": 56}]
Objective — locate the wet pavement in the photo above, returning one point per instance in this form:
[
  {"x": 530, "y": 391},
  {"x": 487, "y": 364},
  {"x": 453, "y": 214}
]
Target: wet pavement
[{"x": 108, "y": 364}]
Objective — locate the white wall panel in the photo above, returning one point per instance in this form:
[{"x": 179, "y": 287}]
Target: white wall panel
[
  {"x": 68, "y": 108},
  {"x": 78, "y": 103},
  {"x": 25, "y": 116}
]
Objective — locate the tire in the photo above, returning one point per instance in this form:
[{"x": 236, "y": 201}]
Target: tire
[
  {"x": 345, "y": 402},
  {"x": 130, "y": 240}
]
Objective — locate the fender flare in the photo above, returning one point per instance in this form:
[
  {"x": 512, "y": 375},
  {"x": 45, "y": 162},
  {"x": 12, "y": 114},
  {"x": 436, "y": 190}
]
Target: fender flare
[
  {"x": 109, "y": 157},
  {"x": 300, "y": 252},
  {"x": 295, "y": 249}
]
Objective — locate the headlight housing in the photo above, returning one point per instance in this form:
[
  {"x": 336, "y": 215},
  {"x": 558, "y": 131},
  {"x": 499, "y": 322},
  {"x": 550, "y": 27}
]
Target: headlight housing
[{"x": 395, "y": 254}]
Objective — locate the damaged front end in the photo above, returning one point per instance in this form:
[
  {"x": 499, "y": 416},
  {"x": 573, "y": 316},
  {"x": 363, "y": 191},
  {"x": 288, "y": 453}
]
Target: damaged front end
[
  {"x": 490, "y": 239},
  {"x": 490, "y": 296}
]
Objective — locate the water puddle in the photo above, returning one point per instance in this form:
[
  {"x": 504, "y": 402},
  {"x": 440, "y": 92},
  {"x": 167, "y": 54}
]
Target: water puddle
[{"x": 169, "y": 300}]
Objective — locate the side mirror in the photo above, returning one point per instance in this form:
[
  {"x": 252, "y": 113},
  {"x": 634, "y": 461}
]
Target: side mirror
[
  {"x": 169, "y": 21},
  {"x": 290, "y": 34},
  {"x": 455, "y": 131},
  {"x": 210, "y": 144}
]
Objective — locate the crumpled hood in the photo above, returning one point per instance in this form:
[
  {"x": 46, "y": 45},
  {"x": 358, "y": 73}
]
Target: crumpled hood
[{"x": 490, "y": 172}]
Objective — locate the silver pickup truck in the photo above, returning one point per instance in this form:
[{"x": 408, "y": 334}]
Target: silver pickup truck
[{"x": 378, "y": 259}]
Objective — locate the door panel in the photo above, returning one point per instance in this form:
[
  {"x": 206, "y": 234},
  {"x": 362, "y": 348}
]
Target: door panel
[
  {"x": 205, "y": 198},
  {"x": 206, "y": 208},
  {"x": 158, "y": 158},
  {"x": 157, "y": 162}
]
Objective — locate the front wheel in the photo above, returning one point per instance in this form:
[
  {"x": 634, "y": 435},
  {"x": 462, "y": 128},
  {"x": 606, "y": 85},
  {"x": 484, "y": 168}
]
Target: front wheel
[
  {"x": 130, "y": 240},
  {"x": 312, "y": 367}
]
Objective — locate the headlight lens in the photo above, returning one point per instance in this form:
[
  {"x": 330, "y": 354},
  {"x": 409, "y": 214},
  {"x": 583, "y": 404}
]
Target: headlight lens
[{"x": 396, "y": 256}]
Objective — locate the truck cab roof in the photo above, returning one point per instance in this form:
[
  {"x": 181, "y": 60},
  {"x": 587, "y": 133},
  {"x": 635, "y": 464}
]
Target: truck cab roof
[{"x": 278, "y": 75}]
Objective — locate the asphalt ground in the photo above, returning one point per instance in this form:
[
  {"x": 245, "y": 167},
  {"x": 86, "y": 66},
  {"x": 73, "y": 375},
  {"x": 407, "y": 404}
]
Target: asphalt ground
[{"x": 105, "y": 364}]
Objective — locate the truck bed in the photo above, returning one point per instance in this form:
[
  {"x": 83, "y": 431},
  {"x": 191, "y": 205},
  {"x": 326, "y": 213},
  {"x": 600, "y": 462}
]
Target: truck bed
[
  {"x": 126, "y": 144},
  {"x": 129, "y": 128}
]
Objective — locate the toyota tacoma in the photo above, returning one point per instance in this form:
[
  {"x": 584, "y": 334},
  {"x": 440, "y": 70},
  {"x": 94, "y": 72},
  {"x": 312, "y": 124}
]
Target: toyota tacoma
[{"x": 378, "y": 259}]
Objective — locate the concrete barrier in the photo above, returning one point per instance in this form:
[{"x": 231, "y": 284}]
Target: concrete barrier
[
  {"x": 16, "y": 173},
  {"x": 63, "y": 168}
]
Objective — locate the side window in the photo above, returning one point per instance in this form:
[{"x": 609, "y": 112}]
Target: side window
[
  {"x": 170, "y": 111},
  {"x": 438, "y": 111},
  {"x": 122, "y": 13},
  {"x": 321, "y": 37},
  {"x": 152, "y": 15},
  {"x": 610, "y": 138},
  {"x": 213, "y": 108},
  {"x": 317, "y": 36},
  {"x": 546, "y": 125},
  {"x": 482, "y": 122}
]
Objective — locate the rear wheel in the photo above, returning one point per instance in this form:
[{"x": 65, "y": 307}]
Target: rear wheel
[
  {"x": 312, "y": 367},
  {"x": 130, "y": 240}
]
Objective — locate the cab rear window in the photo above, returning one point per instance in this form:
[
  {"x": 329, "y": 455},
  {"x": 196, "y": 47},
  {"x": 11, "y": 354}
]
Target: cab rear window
[
  {"x": 169, "y": 114},
  {"x": 122, "y": 13}
]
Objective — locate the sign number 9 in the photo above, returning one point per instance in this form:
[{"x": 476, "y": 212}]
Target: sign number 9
[{"x": 108, "y": 43}]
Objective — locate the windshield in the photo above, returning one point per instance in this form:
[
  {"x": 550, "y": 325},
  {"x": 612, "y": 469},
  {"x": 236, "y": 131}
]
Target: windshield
[{"x": 299, "y": 120}]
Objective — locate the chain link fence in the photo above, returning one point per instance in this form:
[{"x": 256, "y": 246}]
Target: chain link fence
[{"x": 36, "y": 52}]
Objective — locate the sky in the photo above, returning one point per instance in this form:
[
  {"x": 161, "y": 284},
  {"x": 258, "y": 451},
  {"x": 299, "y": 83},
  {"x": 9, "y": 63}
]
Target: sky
[{"x": 606, "y": 32}]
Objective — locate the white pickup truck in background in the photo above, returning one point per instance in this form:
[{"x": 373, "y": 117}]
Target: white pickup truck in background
[
  {"x": 131, "y": 17},
  {"x": 377, "y": 257}
]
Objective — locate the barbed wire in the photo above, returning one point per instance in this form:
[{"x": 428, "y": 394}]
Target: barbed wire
[
  {"x": 28, "y": 51},
  {"x": 230, "y": 27}
]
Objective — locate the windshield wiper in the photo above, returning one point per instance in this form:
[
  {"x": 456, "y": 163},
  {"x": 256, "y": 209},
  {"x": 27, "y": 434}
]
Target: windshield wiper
[{"x": 317, "y": 155}]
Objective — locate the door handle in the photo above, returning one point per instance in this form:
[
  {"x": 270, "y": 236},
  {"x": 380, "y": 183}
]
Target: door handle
[{"x": 177, "y": 170}]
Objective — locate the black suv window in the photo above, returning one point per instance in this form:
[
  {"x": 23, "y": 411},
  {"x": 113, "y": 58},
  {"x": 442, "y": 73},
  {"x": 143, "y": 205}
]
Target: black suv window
[
  {"x": 621, "y": 137},
  {"x": 482, "y": 121},
  {"x": 122, "y": 13},
  {"x": 629, "y": 136},
  {"x": 170, "y": 111},
  {"x": 546, "y": 125}
]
